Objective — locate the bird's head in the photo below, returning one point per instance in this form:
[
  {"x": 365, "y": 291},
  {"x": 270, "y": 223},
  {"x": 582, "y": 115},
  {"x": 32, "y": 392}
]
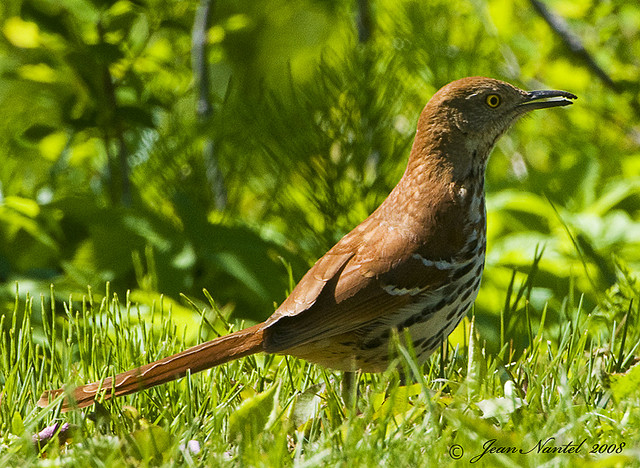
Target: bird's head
[{"x": 467, "y": 116}]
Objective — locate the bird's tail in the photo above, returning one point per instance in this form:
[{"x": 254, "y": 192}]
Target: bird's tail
[{"x": 203, "y": 356}]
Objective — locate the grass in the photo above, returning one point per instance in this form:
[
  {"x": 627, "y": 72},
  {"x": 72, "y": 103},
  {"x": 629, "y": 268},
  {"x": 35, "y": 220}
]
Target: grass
[{"x": 568, "y": 398}]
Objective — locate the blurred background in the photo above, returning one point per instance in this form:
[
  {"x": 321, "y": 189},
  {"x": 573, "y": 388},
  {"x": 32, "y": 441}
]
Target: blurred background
[{"x": 168, "y": 146}]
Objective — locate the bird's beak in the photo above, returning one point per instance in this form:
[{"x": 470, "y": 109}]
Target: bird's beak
[{"x": 546, "y": 98}]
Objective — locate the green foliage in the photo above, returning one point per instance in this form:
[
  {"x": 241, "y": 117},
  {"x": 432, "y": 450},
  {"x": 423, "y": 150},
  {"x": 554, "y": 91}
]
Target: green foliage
[
  {"x": 273, "y": 411},
  {"x": 252, "y": 417},
  {"x": 625, "y": 386},
  {"x": 112, "y": 172}
]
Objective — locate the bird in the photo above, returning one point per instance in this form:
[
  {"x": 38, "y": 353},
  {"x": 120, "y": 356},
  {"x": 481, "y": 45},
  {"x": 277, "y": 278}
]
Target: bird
[{"x": 414, "y": 265}]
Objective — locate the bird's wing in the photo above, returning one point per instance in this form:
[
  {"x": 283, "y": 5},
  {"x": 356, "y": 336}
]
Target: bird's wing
[{"x": 362, "y": 278}]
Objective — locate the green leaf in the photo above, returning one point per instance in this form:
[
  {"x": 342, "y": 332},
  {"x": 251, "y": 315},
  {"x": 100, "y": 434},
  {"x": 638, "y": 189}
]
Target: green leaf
[
  {"x": 253, "y": 415},
  {"x": 20, "y": 33},
  {"x": 17, "y": 425},
  {"x": 306, "y": 404},
  {"x": 476, "y": 364},
  {"x": 136, "y": 116},
  {"x": 399, "y": 402},
  {"x": 625, "y": 385},
  {"x": 37, "y": 132},
  {"x": 153, "y": 443}
]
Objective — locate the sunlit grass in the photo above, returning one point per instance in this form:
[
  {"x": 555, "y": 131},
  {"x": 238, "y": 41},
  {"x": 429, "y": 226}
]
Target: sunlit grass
[{"x": 549, "y": 400}]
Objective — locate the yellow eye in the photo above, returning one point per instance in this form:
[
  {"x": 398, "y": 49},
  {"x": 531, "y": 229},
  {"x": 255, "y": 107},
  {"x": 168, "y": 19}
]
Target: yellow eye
[{"x": 493, "y": 100}]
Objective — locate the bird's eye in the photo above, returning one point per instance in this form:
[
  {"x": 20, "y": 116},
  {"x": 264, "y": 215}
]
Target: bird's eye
[{"x": 493, "y": 100}]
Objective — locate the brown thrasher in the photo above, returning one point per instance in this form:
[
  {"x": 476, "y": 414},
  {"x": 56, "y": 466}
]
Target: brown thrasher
[{"x": 414, "y": 264}]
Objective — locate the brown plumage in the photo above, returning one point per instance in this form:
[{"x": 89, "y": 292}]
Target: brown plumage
[{"x": 415, "y": 263}]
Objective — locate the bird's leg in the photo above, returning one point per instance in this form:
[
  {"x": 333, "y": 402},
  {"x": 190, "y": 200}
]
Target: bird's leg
[{"x": 349, "y": 389}]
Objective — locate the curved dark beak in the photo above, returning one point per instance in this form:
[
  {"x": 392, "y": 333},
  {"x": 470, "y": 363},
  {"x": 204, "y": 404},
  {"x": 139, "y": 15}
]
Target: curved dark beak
[{"x": 546, "y": 98}]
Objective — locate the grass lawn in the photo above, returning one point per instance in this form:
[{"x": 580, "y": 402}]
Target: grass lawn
[{"x": 566, "y": 400}]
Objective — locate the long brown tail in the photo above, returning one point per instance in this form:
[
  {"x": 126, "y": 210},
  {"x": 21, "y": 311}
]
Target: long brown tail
[{"x": 203, "y": 356}]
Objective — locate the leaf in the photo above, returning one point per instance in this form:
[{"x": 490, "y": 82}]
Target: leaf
[
  {"x": 521, "y": 202},
  {"x": 500, "y": 408},
  {"x": 52, "y": 145},
  {"x": 153, "y": 443},
  {"x": 121, "y": 15},
  {"x": 24, "y": 206},
  {"x": 106, "y": 53},
  {"x": 624, "y": 385},
  {"x": 476, "y": 364},
  {"x": 306, "y": 404},
  {"x": 135, "y": 116},
  {"x": 398, "y": 402},
  {"x": 20, "y": 33},
  {"x": 17, "y": 425},
  {"x": 37, "y": 132},
  {"x": 253, "y": 415},
  {"x": 40, "y": 72},
  {"x": 615, "y": 193}
]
